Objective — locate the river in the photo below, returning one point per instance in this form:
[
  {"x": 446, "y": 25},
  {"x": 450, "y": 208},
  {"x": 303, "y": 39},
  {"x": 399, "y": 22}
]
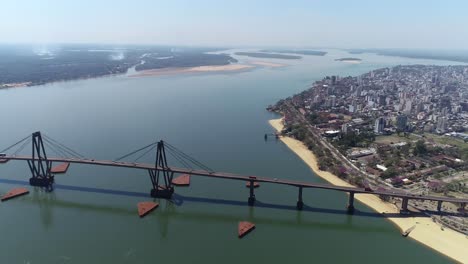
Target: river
[{"x": 218, "y": 118}]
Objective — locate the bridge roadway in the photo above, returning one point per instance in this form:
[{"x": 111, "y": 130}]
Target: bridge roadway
[{"x": 222, "y": 175}]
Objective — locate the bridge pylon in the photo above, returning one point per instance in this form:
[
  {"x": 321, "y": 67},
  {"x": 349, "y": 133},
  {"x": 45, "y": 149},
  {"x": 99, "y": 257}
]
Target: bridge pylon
[
  {"x": 39, "y": 165},
  {"x": 161, "y": 176}
]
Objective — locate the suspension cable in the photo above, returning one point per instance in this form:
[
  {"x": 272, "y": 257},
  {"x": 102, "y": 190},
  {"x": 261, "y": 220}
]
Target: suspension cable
[
  {"x": 180, "y": 159},
  {"x": 136, "y": 151},
  {"x": 26, "y": 142},
  {"x": 62, "y": 150},
  {"x": 54, "y": 149},
  {"x": 194, "y": 161},
  {"x": 19, "y": 142},
  {"x": 146, "y": 152},
  {"x": 76, "y": 154}
]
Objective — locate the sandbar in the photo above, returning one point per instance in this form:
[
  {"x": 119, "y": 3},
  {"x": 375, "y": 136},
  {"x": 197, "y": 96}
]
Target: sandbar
[
  {"x": 268, "y": 64},
  {"x": 199, "y": 69}
]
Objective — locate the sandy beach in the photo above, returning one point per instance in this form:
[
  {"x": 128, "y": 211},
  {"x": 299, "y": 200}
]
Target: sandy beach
[
  {"x": 427, "y": 232},
  {"x": 268, "y": 64},
  {"x": 351, "y": 61},
  {"x": 199, "y": 69}
]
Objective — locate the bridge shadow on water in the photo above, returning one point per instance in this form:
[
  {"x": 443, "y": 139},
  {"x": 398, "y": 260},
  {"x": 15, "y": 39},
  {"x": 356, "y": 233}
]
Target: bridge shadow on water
[{"x": 179, "y": 200}]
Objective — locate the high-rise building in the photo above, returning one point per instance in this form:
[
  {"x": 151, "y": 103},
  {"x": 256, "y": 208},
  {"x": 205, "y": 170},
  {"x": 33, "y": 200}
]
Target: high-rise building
[
  {"x": 358, "y": 91},
  {"x": 344, "y": 128},
  {"x": 445, "y": 102},
  {"x": 401, "y": 122},
  {"x": 408, "y": 106},
  {"x": 379, "y": 125},
  {"x": 441, "y": 124},
  {"x": 333, "y": 101}
]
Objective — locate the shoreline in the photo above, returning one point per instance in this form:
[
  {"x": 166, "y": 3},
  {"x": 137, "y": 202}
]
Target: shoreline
[
  {"x": 351, "y": 61},
  {"x": 447, "y": 242},
  {"x": 198, "y": 69},
  {"x": 152, "y": 72},
  {"x": 268, "y": 64}
]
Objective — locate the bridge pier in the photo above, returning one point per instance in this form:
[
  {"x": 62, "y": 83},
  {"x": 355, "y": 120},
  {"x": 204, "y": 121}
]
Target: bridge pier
[
  {"x": 462, "y": 208},
  {"x": 439, "y": 206},
  {"x": 251, "y": 200},
  {"x": 351, "y": 203},
  {"x": 300, "y": 203},
  {"x": 165, "y": 189},
  {"x": 404, "y": 206},
  {"x": 39, "y": 165}
]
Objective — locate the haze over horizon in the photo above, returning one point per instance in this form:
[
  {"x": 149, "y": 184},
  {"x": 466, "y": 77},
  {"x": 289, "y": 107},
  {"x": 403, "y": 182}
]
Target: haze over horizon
[{"x": 341, "y": 24}]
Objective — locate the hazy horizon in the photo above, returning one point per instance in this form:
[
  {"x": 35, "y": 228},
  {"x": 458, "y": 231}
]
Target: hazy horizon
[{"x": 301, "y": 24}]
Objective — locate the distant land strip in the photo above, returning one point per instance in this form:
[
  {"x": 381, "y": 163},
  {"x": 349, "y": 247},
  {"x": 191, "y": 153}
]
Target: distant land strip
[
  {"x": 268, "y": 55},
  {"x": 457, "y": 56},
  {"x": 301, "y": 52}
]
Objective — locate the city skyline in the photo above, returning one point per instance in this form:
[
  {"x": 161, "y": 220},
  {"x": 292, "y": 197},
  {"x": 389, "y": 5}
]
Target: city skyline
[{"x": 339, "y": 24}]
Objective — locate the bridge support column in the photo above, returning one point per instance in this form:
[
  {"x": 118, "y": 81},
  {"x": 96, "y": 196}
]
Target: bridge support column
[
  {"x": 462, "y": 208},
  {"x": 351, "y": 203},
  {"x": 39, "y": 165},
  {"x": 404, "y": 206},
  {"x": 252, "y": 195},
  {"x": 164, "y": 188},
  {"x": 439, "y": 206},
  {"x": 300, "y": 203}
]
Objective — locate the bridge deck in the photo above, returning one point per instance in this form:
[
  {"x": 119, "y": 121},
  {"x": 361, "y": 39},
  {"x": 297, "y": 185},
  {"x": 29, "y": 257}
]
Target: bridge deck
[{"x": 223, "y": 175}]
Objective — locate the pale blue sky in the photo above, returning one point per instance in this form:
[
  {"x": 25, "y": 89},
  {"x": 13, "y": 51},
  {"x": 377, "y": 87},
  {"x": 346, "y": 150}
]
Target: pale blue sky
[{"x": 347, "y": 23}]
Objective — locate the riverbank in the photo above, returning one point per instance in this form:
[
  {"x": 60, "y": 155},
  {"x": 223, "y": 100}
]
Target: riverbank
[
  {"x": 447, "y": 241},
  {"x": 199, "y": 69},
  {"x": 268, "y": 64}
]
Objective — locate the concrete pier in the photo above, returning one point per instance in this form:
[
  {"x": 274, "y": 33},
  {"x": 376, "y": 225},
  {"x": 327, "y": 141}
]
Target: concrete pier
[
  {"x": 252, "y": 195},
  {"x": 404, "y": 206},
  {"x": 439, "y": 206},
  {"x": 351, "y": 203},
  {"x": 300, "y": 203},
  {"x": 462, "y": 208}
]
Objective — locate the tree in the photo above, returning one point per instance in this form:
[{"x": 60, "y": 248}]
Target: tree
[
  {"x": 420, "y": 148},
  {"x": 389, "y": 173}
]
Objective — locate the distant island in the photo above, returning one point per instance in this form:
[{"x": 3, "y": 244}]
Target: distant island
[
  {"x": 26, "y": 65},
  {"x": 349, "y": 59},
  {"x": 301, "y": 52},
  {"x": 448, "y": 55},
  {"x": 268, "y": 55}
]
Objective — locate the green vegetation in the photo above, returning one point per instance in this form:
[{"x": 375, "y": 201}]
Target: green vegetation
[
  {"x": 185, "y": 60},
  {"x": 461, "y": 147},
  {"x": 391, "y": 139},
  {"x": 420, "y": 148},
  {"x": 24, "y": 64},
  {"x": 460, "y": 56},
  {"x": 349, "y": 59},
  {"x": 314, "y": 118},
  {"x": 301, "y": 52},
  {"x": 389, "y": 173},
  {"x": 268, "y": 55},
  {"x": 352, "y": 139}
]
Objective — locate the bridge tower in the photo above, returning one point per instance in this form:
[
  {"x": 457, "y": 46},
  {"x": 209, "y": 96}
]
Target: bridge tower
[
  {"x": 161, "y": 176},
  {"x": 39, "y": 165}
]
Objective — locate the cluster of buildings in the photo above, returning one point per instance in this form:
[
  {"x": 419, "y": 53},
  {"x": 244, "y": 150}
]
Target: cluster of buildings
[
  {"x": 406, "y": 100},
  {"x": 353, "y": 115},
  {"x": 401, "y": 99}
]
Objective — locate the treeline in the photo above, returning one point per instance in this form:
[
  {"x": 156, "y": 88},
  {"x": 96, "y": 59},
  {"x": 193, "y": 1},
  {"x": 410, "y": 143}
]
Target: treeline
[
  {"x": 325, "y": 159},
  {"x": 352, "y": 139},
  {"x": 185, "y": 60},
  {"x": 66, "y": 65},
  {"x": 20, "y": 64}
]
